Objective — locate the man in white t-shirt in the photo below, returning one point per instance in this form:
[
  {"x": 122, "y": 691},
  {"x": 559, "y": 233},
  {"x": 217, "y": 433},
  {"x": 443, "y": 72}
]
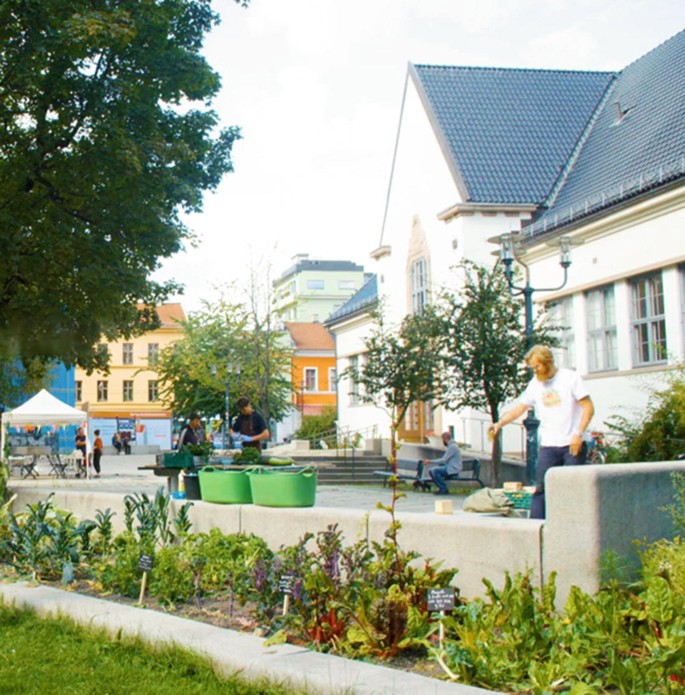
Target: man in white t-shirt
[{"x": 564, "y": 408}]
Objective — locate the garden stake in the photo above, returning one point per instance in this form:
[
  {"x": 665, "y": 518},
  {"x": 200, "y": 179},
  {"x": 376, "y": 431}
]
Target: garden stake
[
  {"x": 142, "y": 588},
  {"x": 286, "y": 603}
]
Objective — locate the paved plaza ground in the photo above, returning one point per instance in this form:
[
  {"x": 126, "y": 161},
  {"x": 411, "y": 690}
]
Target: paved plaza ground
[{"x": 121, "y": 474}]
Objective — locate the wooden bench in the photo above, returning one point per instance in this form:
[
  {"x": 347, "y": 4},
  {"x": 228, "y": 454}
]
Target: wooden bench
[{"x": 407, "y": 472}]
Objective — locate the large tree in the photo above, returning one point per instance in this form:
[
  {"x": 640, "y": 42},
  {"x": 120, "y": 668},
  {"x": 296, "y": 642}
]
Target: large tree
[
  {"x": 106, "y": 137},
  {"x": 484, "y": 342}
]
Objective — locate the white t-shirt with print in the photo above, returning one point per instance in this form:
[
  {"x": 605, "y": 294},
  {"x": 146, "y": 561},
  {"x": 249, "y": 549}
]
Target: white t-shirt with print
[{"x": 556, "y": 406}]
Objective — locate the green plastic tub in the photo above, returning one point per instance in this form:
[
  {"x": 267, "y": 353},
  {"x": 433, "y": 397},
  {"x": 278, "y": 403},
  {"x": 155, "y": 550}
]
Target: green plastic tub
[
  {"x": 283, "y": 488},
  {"x": 225, "y": 486}
]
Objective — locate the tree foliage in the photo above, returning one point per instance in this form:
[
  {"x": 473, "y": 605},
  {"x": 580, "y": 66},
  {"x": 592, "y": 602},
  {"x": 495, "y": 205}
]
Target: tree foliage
[
  {"x": 106, "y": 137},
  {"x": 660, "y": 434},
  {"x": 222, "y": 346}
]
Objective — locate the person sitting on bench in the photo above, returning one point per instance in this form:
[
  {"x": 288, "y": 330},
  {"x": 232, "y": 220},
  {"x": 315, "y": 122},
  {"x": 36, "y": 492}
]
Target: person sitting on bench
[{"x": 448, "y": 464}]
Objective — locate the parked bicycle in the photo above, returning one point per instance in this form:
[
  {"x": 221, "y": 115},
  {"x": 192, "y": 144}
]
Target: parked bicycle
[{"x": 596, "y": 448}]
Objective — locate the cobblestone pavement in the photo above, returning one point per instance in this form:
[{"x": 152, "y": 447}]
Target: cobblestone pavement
[{"x": 121, "y": 474}]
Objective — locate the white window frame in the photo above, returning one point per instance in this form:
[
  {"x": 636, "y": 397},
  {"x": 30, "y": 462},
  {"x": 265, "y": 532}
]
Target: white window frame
[
  {"x": 152, "y": 353},
  {"x": 347, "y": 285},
  {"x": 332, "y": 378},
  {"x": 315, "y": 284},
  {"x": 560, "y": 313},
  {"x": 102, "y": 391},
  {"x": 307, "y": 385},
  {"x": 78, "y": 390},
  {"x": 418, "y": 285},
  {"x": 127, "y": 353},
  {"x": 602, "y": 332},
  {"x": 152, "y": 390},
  {"x": 127, "y": 390},
  {"x": 648, "y": 320}
]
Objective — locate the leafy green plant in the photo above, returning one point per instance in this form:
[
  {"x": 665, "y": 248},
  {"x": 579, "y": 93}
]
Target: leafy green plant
[
  {"x": 319, "y": 427},
  {"x": 43, "y": 540},
  {"x": 248, "y": 456}
]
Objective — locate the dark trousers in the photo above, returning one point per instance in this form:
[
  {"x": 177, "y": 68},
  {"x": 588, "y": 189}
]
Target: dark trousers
[
  {"x": 438, "y": 475},
  {"x": 549, "y": 457},
  {"x": 97, "y": 455}
]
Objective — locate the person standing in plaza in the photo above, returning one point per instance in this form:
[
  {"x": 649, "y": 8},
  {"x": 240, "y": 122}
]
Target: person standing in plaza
[
  {"x": 564, "y": 407},
  {"x": 80, "y": 443},
  {"x": 249, "y": 425},
  {"x": 192, "y": 434},
  {"x": 97, "y": 452}
]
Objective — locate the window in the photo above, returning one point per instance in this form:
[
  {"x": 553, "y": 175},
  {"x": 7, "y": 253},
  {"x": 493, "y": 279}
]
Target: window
[
  {"x": 347, "y": 285},
  {"x": 354, "y": 384},
  {"x": 561, "y": 315},
  {"x": 78, "y": 389},
  {"x": 418, "y": 280},
  {"x": 315, "y": 284},
  {"x": 152, "y": 391},
  {"x": 127, "y": 353},
  {"x": 152, "y": 353},
  {"x": 310, "y": 379},
  {"x": 102, "y": 391},
  {"x": 128, "y": 390},
  {"x": 600, "y": 309},
  {"x": 332, "y": 378},
  {"x": 648, "y": 320}
]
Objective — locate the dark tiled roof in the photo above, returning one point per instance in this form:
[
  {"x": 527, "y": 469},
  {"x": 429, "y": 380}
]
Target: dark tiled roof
[
  {"x": 509, "y": 133},
  {"x": 362, "y": 300},
  {"x": 645, "y": 149}
]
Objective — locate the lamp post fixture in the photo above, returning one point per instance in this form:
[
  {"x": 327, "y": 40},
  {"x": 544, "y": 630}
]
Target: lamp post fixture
[{"x": 510, "y": 251}]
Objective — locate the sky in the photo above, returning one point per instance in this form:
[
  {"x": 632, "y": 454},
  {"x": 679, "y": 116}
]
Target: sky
[{"x": 316, "y": 88}]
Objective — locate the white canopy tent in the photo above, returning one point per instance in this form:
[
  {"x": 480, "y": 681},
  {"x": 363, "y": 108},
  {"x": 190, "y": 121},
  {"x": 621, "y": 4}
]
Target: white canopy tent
[{"x": 42, "y": 409}]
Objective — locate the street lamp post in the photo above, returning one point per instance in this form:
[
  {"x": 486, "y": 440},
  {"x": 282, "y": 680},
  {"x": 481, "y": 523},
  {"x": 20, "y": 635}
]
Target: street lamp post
[
  {"x": 230, "y": 369},
  {"x": 510, "y": 251}
]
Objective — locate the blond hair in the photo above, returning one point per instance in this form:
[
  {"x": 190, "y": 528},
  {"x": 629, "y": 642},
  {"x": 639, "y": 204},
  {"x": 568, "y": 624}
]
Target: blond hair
[{"x": 542, "y": 353}]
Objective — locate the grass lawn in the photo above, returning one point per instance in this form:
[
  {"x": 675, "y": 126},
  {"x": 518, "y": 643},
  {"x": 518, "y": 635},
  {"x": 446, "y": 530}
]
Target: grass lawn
[{"x": 56, "y": 656}]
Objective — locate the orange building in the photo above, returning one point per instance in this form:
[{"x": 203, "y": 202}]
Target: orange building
[{"x": 313, "y": 367}]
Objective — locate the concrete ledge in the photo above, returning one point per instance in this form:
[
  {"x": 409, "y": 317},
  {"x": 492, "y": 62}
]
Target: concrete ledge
[
  {"x": 231, "y": 652},
  {"x": 593, "y": 510},
  {"x": 478, "y": 546}
]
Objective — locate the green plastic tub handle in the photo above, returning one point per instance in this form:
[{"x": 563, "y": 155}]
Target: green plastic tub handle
[{"x": 208, "y": 469}]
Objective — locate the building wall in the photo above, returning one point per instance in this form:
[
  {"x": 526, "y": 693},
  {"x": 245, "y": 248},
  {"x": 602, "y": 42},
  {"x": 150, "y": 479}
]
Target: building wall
[
  {"x": 313, "y": 401},
  {"x": 311, "y": 295},
  {"x": 114, "y": 413}
]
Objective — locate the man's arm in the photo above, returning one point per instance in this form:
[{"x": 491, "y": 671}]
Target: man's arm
[
  {"x": 588, "y": 410},
  {"x": 508, "y": 417}
]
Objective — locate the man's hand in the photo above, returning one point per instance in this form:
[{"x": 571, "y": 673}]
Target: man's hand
[
  {"x": 575, "y": 445},
  {"x": 245, "y": 438}
]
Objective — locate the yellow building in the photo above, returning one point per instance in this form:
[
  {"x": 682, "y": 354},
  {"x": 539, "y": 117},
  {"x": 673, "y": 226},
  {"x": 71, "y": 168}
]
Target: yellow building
[{"x": 127, "y": 399}]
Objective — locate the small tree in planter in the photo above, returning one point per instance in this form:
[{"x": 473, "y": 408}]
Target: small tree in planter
[
  {"x": 484, "y": 345},
  {"x": 401, "y": 366}
]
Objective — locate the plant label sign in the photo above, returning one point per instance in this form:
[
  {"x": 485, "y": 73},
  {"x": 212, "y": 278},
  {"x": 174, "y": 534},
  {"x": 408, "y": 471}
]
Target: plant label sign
[
  {"x": 285, "y": 583},
  {"x": 145, "y": 563},
  {"x": 439, "y": 600}
]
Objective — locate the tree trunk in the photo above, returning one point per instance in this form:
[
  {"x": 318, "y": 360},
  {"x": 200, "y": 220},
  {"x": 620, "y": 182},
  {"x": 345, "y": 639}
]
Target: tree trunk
[{"x": 496, "y": 452}]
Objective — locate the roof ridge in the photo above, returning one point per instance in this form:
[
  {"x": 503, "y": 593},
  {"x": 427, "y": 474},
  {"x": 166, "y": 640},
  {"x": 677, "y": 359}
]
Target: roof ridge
[
  {"x": 651, "y": 50},
  {"x": 491, "y": 68}
]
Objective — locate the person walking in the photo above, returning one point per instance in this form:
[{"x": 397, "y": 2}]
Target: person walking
[
  {"x": 447, "y": 464},
  {"x": 97, "y": 452},
  {"x": 564, "y": 407}
]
